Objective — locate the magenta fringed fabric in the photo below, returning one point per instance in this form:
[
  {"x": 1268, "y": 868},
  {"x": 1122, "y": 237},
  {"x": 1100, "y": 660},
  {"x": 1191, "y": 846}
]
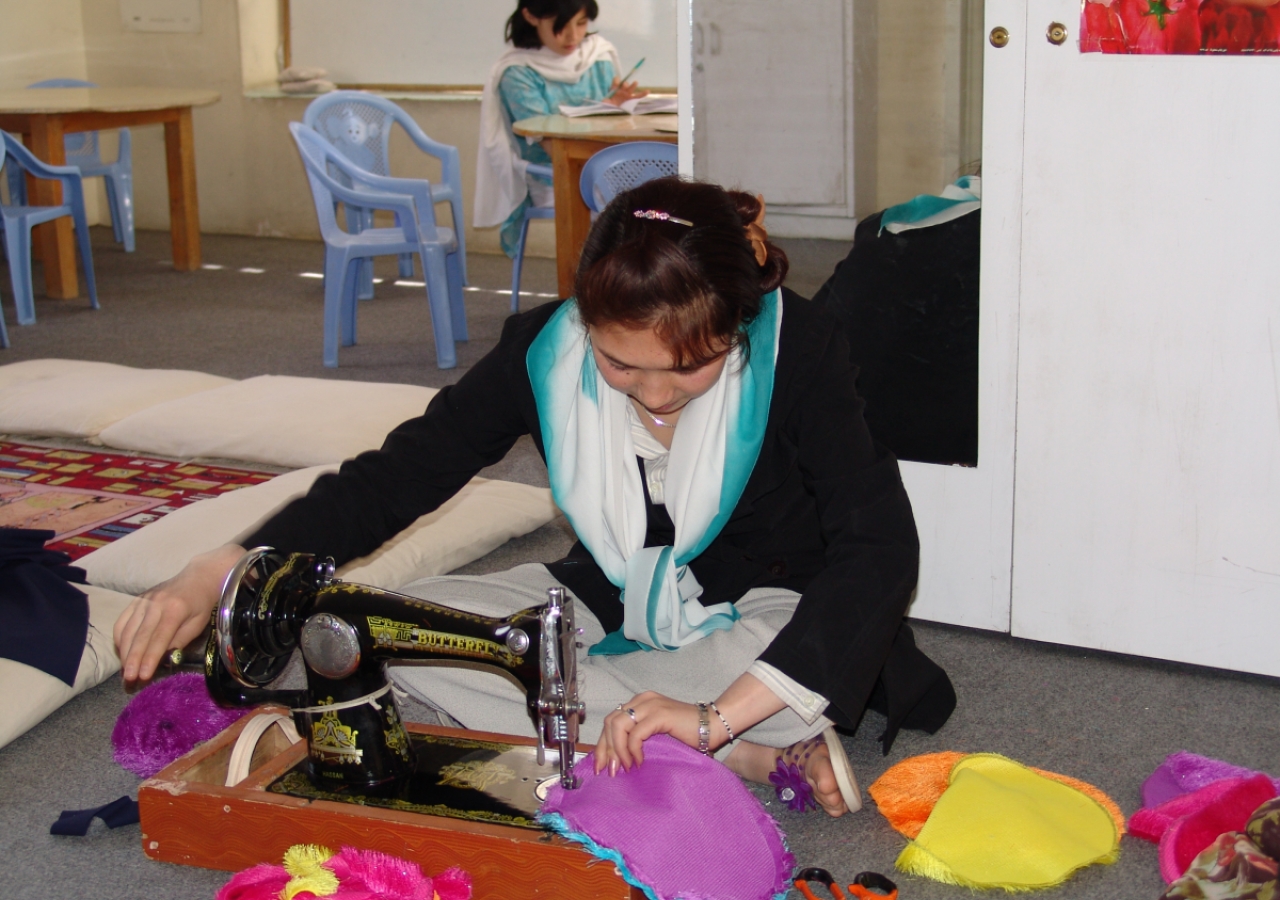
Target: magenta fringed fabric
[
  {"x": 682, "y": 823},
  {"x": 165, "y": 720}
]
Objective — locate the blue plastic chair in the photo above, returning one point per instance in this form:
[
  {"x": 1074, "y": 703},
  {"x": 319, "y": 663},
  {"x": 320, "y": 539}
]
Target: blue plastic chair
[
  {"x": 413, "y": 202},
  {"x": 621, "y": 167},
  {"x": 18, "y": 221},
  {"x": 84, "y": 153},
  {"x": 359, "y": 124},
  {"x": 530, "y": 213}
]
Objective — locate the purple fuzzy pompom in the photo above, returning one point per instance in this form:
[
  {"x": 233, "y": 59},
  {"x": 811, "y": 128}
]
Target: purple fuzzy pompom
[{"x": 166, "y": 720}]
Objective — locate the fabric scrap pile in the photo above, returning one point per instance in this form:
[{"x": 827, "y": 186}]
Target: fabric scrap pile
[
  {"x": 981, "y": 820},
  {"x": 313, "y": 871},
  {"x": 1217, "y": 826}
]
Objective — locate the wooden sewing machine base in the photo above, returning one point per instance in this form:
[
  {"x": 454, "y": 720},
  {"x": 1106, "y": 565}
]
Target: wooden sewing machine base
[{"x": 190, "y": 818}]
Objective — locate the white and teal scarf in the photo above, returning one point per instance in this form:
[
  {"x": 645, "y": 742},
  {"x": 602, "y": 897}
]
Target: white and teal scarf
[{"x": 597, "y": 484}]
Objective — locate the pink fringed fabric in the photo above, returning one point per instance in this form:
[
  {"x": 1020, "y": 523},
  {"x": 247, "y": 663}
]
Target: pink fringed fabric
[
  {"x": 1151, "y": 824},
  {"x": 678, "y": 825},
  {"x": 165, "y": 720},
  {"x": 311, "y": 871}
]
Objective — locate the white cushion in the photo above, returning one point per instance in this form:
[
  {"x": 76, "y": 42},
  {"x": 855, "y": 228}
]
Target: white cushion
[
  {"x": 28, "y": 695},
  {"x": 159, "y": 550},
  {"x": 276, "y": 419},
  {"x": 483, "y": 515},
  {"x": 69, "y": 398}
]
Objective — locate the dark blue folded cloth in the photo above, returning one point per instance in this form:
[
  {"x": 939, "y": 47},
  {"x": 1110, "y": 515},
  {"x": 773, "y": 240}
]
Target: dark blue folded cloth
[
  {"x": 76, "y": 822},
  {"x": 46, "y": 620}
]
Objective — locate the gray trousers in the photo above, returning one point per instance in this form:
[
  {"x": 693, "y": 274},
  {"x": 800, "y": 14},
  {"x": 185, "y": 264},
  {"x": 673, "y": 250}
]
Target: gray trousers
[{"x": 485, "y": 700}]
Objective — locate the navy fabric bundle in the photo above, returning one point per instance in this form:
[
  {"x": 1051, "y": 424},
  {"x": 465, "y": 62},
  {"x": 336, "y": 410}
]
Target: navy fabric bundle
[
  {"x": 46, "y": 620},
  {"x": 76, "y": 822}
]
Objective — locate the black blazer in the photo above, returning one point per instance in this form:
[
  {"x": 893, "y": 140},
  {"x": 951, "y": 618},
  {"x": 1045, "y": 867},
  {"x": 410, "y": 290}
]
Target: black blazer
[{"x": 824, "y": 513}]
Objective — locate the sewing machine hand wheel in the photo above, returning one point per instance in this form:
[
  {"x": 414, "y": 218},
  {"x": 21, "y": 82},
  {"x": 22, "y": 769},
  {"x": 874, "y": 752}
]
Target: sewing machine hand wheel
[{"x": 254, "y": 638}]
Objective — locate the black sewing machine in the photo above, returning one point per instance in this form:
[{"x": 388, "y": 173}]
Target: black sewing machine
[{"x": 273, "y": 603}]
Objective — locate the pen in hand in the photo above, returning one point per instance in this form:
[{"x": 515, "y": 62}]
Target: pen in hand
[{"x": 624, "y": 78}]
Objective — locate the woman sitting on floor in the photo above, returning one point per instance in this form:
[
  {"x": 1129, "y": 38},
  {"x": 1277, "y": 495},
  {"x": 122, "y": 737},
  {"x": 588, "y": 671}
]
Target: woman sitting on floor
[{"x": 704, "y": 439}]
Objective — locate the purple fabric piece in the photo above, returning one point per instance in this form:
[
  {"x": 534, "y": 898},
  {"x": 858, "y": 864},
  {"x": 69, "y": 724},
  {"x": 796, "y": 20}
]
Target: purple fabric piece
[
  {"x": 1183, "y": 772},
  {"x": 165, "y": 720},
  {"x": 684, "y": 825}
]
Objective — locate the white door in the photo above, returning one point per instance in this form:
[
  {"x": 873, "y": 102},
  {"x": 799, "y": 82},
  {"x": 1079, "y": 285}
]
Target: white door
[
  {"x": 965, "y": 516},
  {"x": 1148, "y": 408}
]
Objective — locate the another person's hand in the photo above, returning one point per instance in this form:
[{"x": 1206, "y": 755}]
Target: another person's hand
[
  {"x": 626, "y": 729},
  {"x": 171, "y": 614},
  {"x": 624, "y": 92}
]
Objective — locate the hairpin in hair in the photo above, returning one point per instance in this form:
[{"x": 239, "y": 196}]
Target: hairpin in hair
[{"x": 657, "y": 214}]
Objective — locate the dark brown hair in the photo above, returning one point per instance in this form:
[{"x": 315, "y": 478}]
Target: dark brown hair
[
  {"x": 696, "y": 286},
  {"x": 521, "y": 34}
]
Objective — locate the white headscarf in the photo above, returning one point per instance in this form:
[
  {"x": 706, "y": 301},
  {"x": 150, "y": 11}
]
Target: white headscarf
[
  {"x": 595, "y": 481},
  {"x": 500, "y": 170}
]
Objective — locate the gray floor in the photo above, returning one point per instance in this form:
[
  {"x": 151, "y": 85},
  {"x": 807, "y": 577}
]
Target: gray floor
[{"x": 1106, "y": 719}]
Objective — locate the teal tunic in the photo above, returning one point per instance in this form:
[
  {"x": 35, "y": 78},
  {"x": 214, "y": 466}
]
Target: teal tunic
[{"x": 526, "y": 94}]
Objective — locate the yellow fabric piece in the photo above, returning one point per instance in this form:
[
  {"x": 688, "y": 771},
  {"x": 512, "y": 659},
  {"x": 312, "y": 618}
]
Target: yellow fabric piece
[
  {"x": 304, "y": 863},
  {"x": 999, "y": 824},
  {"x": 906, "y": 792}
]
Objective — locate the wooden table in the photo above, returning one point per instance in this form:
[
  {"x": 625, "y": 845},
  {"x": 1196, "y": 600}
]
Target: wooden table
[
  {"x": 570, "y": 143},
  {"x": 42, "y": 116}
]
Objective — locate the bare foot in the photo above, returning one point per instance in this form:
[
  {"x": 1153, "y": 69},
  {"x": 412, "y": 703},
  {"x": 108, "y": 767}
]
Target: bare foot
[{"x": 755, "y": 762}]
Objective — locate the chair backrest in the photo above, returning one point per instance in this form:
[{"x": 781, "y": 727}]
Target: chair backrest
[
  {"x": 81, "y": 147},
  {"x": 315, "y": 153},
  {"x": 358, "y": 124},
  {"x": 623, "y": 166}
]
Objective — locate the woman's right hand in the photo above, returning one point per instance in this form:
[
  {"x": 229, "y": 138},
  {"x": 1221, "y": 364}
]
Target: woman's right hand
[
  {"x": 624, "y": 92},
  {"x": 171, "y": 614}
]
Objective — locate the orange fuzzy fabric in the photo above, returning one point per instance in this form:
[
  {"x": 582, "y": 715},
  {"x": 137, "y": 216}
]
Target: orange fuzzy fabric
[{"x": 907, "y": 792}]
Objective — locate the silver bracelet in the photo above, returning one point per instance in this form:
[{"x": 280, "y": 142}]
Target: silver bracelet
[
  {"x": 704, "y": 730},
  {"x": 723, "y": 720}
]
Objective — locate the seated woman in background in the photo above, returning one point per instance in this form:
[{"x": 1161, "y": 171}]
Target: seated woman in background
[
  {"x": 704, "y": 439},
  {"x": 552, "y": 60}
]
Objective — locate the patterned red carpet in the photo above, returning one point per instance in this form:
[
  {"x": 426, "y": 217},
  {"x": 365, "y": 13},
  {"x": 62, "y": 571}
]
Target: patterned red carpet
[{"x": 91, "y": 499}]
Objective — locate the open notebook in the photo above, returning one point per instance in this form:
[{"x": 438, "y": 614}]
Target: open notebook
[{"x": 641, "y": 106}]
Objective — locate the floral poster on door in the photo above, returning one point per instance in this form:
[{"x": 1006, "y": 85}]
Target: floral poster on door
[{"x": 1180, "y": 26}]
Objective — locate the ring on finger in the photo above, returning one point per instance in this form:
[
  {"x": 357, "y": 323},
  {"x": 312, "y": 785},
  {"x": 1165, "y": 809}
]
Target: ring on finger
[{"x": 632, "y": 713}]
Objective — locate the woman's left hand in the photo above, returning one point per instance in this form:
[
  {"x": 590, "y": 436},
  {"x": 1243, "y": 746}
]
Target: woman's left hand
[
  {"x": 626, "y": 729},
  {"x": 624, "y": 92}
]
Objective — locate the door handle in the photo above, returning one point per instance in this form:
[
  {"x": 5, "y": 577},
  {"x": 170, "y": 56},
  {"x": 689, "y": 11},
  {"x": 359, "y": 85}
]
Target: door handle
[
  {"x": 715, "y": 39},
  {"x": 1057, "y": 34},
  {"x": 999, "y": 37},
  {"x": 697, "y": 37}
]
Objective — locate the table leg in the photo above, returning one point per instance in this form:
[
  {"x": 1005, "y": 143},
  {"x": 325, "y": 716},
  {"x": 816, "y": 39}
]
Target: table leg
[
  {"x": 55, "y": 239},
  {"x": 573, "y": 219},
  {"x": 184, "y": 209}
]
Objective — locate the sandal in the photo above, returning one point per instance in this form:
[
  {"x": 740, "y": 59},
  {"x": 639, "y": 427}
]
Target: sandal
[{"x": 794, "y": 789}]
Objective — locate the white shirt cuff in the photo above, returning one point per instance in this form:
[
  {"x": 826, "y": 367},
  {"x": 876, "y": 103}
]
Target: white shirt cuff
[{"x": 806, "y": 704}]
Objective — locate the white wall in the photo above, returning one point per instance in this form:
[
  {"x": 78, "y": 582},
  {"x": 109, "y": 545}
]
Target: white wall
[
  {"x": 46, "y": 40},
  {"x": 41, "y": 40}
]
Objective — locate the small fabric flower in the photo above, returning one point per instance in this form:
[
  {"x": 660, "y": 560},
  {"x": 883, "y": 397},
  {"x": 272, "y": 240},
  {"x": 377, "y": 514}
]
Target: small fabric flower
[{"x": 788, "y": 780}]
